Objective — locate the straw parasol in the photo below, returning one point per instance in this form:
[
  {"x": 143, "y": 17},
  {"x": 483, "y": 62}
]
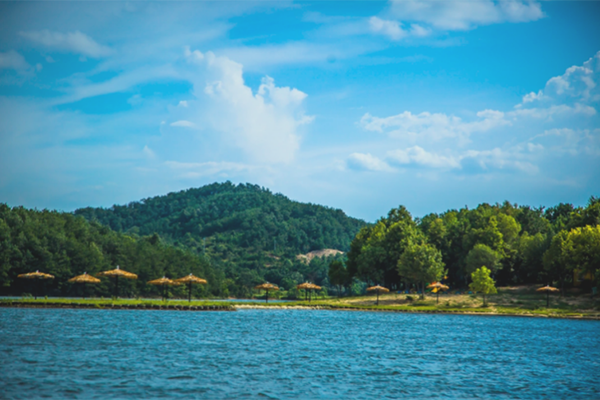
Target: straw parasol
[
  {"x": 439, "y": 286},
  {"x": 307, "y": 286},
  {"x": 378, "y": 289},
  {"x": 116, "y": 273},
  {"x": 83, "y": 279},
  {"x": 548, "y": 289},
  {"x": 190, "y": 279},
  {"x": 37, "y": 275},
  {"x": 164, "y": 282},
  {"x": 266, "y": 287}
]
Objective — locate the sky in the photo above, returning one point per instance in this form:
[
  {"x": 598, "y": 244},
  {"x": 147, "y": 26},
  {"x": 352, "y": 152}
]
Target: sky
[{"x": 362, "y": 106}]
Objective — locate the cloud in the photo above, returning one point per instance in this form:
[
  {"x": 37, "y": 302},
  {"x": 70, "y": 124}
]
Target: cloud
[
  {"x": 366, "y": 162},
  {"x": 465, "y": 15},
  {"x": 209, "y": 168},
  {"x": 476, "y": 161},
  {"x": 579, "y": 83},
  {"x": 387, "y": 28},
  {"x": 417, "y": 155},
  {"x": 265, "y": 124},
  {"x": 183, "y": 124},
  {"x": 13, "y": 60},
  {"x": 432, "y": 125},
  {"x": 74, "y": 42}
]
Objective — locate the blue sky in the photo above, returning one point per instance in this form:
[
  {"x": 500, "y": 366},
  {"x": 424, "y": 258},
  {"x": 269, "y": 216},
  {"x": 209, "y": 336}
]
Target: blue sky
[{"x": 356, "y": 105}]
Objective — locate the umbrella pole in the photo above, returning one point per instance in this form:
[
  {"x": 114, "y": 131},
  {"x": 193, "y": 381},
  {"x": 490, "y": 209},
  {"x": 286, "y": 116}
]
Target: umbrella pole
[
  {"x": 190, "y": 292},
  {"x": 547, "y": 299},
  {"x": 305, "y": 294},
  {"x": 438, "y": 297},
  {"x": 117, "y": 285},
  {"x": 84, "y": 290},
  {"x": 267, "y": 298},
  {"x": 35, "y": 289},
  {"x": 378, "y": 297}
]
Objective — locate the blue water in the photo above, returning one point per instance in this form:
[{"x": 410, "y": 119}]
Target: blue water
[{"x": 290, "y": 354}]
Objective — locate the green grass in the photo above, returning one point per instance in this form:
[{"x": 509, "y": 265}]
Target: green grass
[{"x": 517, "y": 306}]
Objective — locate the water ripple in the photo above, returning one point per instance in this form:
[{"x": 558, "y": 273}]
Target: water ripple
[{"x": 283, "y": 354}]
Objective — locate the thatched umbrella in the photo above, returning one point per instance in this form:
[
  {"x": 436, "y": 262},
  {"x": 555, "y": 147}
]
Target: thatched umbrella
[
  {"x": 306, "y": 286},
  {"x": 164, "y": 282},
  {"x": 378, "y": 289},
  {"x": 189, "y": 280},
  {"x": 266, "y": 287},
  {"x": 116, "y": 273},
  {"x": 439, "y": 286},
  {"x": 547, "y": 289},
  {"x": 37, "y": 275},
  {"x": 83, "y": 279}
]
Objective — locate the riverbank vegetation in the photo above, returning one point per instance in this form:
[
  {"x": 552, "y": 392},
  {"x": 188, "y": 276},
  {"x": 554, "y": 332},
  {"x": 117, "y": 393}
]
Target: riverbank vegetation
[{"x": 239, "y": 236}]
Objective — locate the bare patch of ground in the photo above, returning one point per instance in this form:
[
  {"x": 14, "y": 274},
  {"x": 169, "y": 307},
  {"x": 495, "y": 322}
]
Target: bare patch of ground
[{"x": 318, "y": 253}]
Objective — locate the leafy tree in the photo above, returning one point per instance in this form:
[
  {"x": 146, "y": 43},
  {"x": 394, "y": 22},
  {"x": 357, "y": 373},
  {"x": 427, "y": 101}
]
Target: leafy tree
[
  {"x": 479, "y": 256},
  {"x": 483, "y": 283},
  {"x": 421, "y": 263},
  {"x": 556, "y": 259},
  {"x": 338, "y": 275}
]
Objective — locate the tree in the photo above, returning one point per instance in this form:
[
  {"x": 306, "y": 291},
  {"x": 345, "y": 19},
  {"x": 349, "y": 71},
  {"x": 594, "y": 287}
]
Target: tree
[
  {"x": 556, "y": 262},
  {"x": 482, "y": 283},
  {"x": 479, "y": 256},
  {"x": 421, "y": 263},
  {"x": 338, "y": 275}
]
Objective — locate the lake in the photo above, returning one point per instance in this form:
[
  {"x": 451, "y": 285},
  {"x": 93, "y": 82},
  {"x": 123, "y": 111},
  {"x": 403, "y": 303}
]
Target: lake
[{"x": 289, "y": 354}]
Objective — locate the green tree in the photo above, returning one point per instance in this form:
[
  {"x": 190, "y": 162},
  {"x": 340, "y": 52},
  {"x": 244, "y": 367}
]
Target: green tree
[
  {"x": 421, "y": 263},
  {"x": 556, "y": 259},
  {"x": 479, "y": 256},
  {"x": 483, "y": 283},
  {"x": 338, "y": 275}
]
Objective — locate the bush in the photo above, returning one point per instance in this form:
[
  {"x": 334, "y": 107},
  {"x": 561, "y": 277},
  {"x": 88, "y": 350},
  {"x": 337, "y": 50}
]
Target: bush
[{"x": 409, "y": 298}]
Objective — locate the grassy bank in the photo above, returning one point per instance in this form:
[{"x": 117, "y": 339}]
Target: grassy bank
[{"x": 518, "y": 301}]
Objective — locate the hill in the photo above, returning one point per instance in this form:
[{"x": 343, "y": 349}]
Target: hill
[
  {"x": 245, "y": 230},
  {"x": 65, "y": 245}
]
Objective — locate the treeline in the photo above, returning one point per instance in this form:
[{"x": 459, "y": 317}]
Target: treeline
[
  {"x": 248, "y": 233},
  {"x": 518, "y": 244},
  {"x": 65, "y": 245}
]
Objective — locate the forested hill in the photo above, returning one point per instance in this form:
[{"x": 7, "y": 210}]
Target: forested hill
[{"x": 241, "y": 224}]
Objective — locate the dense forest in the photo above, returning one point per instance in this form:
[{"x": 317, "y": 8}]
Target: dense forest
[
  {"x": 64, "y": 245},
  {"x": 238, "y": 236},
  {"x": 518, "y": 244},
  {"x": 244, "y": 231}
]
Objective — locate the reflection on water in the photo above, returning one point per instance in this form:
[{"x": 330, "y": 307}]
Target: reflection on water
[{"x": 293, "y": 354}]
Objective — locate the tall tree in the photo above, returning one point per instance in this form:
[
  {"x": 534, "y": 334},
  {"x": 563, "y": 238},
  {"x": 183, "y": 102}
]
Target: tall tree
[
  {"x": 483, "y": 283},
  {"x": 421, "y": 263}
]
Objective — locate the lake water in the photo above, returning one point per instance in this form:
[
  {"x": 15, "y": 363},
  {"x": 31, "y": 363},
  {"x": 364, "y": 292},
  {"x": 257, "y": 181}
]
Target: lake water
[{"x": 290, "y": 354}]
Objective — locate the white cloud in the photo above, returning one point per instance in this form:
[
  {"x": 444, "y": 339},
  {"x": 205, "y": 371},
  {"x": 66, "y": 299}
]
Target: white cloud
[
  {"x": 477, "y": 161},
  {"x": 264, "y": 125},
  {"x": 579, "y": 83},
  {"x": 183, "y": 103},
  {"x": 366, "y": 162},
  {"x": 209, "y": 168},
  {"x": 417, "y": 155},
  {"x": 432, "y": 125},
  {"x": 391, "y": 29},
  {"x": 75, "y": 42},
  {"x": 13, "y": 60},
  {"x": 148, "y": 152},
  {"x": 183, "y": 124},
  {"x": 464, "y": 15}
]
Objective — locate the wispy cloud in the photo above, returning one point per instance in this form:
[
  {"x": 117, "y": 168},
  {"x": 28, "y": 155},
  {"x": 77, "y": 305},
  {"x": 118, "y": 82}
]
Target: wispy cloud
[{"x": 75, "y": 42}]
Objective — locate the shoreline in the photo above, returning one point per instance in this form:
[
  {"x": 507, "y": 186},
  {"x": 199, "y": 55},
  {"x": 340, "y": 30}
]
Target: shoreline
[{"x": 240, "y": 307}]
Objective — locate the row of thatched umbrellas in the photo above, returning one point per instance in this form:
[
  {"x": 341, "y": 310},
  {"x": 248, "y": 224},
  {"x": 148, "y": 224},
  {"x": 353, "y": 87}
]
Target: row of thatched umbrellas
[
  {"x": 117, "y": 273},
  {"x": 307, "y": 286},
  {"x": 191, "y": 279},
  {"x": 438, "y": 287}
]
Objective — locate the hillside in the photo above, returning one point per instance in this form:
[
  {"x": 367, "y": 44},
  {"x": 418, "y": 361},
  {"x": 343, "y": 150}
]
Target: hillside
[
  {"x": 245, "y": 230},
  {"x": 65, "y": 246}
]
